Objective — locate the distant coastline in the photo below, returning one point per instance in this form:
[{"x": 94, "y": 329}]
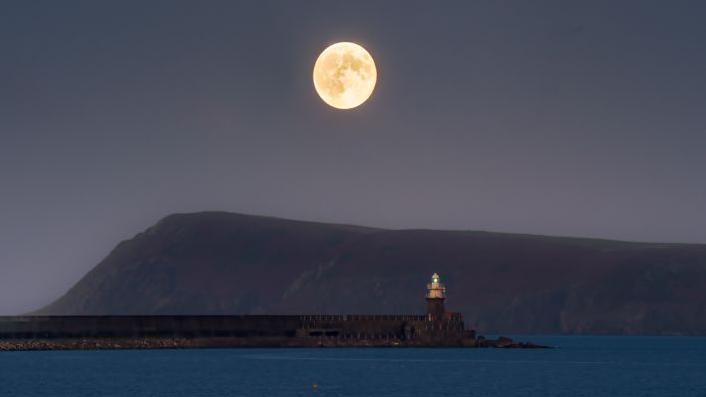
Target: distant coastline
[{"x": 221, "y": 263}]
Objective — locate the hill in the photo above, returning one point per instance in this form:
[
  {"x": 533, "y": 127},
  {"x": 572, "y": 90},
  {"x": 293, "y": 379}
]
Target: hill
[{"x": 225, "y": 263}]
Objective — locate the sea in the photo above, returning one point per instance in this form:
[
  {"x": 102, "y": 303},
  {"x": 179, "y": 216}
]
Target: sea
[{"x": 577, "y": 366}]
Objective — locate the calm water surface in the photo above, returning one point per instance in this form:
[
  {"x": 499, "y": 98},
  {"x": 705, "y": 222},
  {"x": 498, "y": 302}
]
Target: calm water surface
[{"x": 581, "y": 366}]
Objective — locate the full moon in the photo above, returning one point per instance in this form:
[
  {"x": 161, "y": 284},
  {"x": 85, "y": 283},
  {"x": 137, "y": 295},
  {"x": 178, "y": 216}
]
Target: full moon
[{"x": 345, "y": 75}]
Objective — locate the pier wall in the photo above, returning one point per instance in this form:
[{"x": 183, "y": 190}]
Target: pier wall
[{"x": 246, "y": 330}]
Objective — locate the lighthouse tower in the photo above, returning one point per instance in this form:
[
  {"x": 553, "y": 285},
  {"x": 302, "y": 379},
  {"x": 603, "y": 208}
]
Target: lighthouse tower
[{"x": 436, "y": 294}]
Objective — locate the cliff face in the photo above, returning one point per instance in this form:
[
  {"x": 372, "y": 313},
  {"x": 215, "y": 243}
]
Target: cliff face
[{"x": 222, "y": 263}]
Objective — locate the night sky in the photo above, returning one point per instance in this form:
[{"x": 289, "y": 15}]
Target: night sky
[{"x": 562, "y": 118}]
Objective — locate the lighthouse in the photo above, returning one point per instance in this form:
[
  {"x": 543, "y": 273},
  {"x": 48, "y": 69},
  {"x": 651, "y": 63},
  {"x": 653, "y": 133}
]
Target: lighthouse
[{"x": 436, "y": 294}]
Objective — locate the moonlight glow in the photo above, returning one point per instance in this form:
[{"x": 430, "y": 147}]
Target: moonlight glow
[{"x": 345, "y": 75}]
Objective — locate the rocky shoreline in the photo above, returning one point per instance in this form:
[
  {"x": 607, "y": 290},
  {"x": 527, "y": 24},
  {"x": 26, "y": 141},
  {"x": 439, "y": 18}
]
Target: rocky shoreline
[{"x": 504, "y": 342}]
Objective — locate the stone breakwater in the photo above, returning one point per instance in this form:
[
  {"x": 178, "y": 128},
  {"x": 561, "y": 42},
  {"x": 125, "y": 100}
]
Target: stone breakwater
[
  {"x": 157, "y": 332},
  {"x": 205, "y": 343}
]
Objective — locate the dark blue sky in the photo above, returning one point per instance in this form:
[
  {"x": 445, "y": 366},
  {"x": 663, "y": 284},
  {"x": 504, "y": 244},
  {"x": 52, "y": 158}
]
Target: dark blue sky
[{"x": 563, "y": 118}]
